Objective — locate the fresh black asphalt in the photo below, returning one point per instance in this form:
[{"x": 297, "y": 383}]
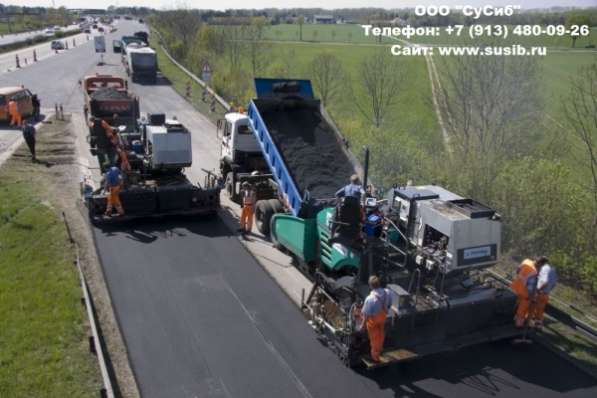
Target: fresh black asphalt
[{"x": 201, "y": 317}]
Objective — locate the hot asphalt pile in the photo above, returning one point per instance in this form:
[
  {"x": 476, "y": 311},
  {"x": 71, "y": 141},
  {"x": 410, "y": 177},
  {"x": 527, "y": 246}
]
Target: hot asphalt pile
[
  {"x": 311, "y": 150},
  {"x": 109, "y": 93}
]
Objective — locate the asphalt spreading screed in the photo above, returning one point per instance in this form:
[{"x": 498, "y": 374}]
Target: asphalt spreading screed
[{"x": 311, "y": 150}]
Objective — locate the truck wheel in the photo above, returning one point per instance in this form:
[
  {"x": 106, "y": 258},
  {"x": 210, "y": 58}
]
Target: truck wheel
[{"x": 263, "y": 216}]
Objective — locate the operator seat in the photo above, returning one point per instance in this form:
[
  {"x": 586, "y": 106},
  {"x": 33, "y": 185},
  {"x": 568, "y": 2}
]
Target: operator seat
[{"x": 346, "y": 227}]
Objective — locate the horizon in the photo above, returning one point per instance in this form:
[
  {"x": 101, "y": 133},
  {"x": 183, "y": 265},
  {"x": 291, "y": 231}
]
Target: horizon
[{"x": 298, "y": 4}]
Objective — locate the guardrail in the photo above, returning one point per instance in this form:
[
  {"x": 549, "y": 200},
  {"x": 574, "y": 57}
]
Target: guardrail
[
  {"x": 559, "y": 314},
  {"x": 95, "y": 344},
  {"x": 203, "y": 84}
]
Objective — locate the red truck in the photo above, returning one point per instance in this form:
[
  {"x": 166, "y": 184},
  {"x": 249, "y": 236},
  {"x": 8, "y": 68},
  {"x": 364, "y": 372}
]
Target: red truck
[{"x": 107, "y": 98}]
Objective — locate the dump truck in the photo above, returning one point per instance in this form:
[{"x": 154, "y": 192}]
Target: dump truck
[
  {"x": 141, "y": 63},
  {"x": 143, "y": 36},
  {"x": 107, "y": 98},
  {"x": 430, "y": 247},
  {"x": 126, "y": 40}
]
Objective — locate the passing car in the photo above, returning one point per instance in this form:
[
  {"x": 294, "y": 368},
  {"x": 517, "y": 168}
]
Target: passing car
[
  {"x": 100, "y": 29},
  {"x": 87, "y": 30},
  {"x": 94, "y": 26},
  {"x": 19, "y": 94},
  {"x": 49, "y": 32},
  {"x": 116, "y": 46},
  {"x": 57, "y": 45}
]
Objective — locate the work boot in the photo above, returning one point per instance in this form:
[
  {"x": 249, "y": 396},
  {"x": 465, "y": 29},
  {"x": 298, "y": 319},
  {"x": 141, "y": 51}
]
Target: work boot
[{"x": 538, "y": 325}]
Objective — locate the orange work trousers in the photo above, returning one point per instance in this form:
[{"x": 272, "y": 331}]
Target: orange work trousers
[
  {"x": 539, "y": 307},
  {"x": 246, "y": 218},
  {"x": 376, "y": 332},
  {"x": 16, "y": 119},
  {"x": 523, "y": 304},
  {"x": 114, "y": 201}
]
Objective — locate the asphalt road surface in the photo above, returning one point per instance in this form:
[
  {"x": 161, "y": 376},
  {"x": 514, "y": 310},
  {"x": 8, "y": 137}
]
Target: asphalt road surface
[{"x": 201, "y": 318}]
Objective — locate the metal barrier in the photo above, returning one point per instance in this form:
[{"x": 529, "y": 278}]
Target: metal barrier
[
  {"x": 219, "y": 99},
  {"x": 559, "y": 314},
  {"x": 95, "y": 345}
]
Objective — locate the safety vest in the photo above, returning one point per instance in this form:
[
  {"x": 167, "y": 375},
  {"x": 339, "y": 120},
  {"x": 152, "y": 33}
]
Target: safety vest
[
  {"x": 12, "y": 107},
  {"x": 525, "y": 271}
]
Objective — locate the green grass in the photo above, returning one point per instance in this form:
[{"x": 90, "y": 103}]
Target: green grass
[
  {"x": 353, "y": 33},
  {"x": 346, "y": 33},
  {"x": 557, "y": 70},
  {"x": 581, "y": 348},
  {"x": 44, "y": 345},
  {"x": 553, "y": 42}
]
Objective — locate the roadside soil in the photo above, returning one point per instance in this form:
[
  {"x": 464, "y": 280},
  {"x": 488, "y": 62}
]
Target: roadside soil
[{"x": 61, "y": 175}]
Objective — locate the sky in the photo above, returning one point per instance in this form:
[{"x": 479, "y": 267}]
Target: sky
[{"x": 224, "y": 4}]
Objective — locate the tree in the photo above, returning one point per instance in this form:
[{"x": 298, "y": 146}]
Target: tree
[
  {"x": 256, "y": 46},
  {"x": 577, "y": 19},
  {"x": 581, "y": 114},
  {"x": 490, "y": 107},
  {"x": 300, "y": 20},
  {"x": 381, "y": 78},
  {"x": 233, "y": 42},
  {"x": 327, "y": 75}
]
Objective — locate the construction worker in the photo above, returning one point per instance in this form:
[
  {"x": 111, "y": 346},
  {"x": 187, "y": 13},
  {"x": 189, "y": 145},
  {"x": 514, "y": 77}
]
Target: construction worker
[
  {"x": 248, "y": 199},
  {"x": 29, "y": 136},
  {"x": 113, "y": 187},
  {"x": 546, "y": 282},
  {"x": 36, "y": 107},
  {"x": 524, "y": 284},
  {"x": 374, "y": 313},
  {"x": 353, "y": 189},
  {"x": 15, "y": 114}
]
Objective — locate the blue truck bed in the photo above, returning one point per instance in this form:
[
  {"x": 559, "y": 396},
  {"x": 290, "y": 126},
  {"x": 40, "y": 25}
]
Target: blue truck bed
[{"x": 305, "y": 153}]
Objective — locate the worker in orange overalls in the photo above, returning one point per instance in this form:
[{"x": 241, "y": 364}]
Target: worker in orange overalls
[
  {"x": 113, "y": 187},
  {"x": 546, "y": 282},
  {"x": 374, "y": 313},
  {"x": 15, "y": 115},
  {"x": 524, "y": 284},
  {"x": 248, "y": 199}
]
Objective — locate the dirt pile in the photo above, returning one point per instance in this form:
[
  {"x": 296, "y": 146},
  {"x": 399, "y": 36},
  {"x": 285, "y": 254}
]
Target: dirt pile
[
  {"x": 311, "y": 150},
  {"x": 108, "y": 94}
]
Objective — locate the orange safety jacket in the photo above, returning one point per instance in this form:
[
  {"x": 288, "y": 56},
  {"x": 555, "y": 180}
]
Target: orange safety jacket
[
  {"x": 525, "y": 271},
  {"x": 12, "y": 107}
]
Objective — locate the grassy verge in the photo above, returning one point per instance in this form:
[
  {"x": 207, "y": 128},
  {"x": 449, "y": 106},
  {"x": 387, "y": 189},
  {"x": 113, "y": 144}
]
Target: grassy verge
[
  {"x": 581, "y": 348},
  {"x": 43, "y": 335}
]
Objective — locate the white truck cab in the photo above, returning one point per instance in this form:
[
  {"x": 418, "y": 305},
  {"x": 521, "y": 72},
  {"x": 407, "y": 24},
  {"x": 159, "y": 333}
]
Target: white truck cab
[
  {"x": 239, "y": 148},
  {"x": 241, "y": 158}
]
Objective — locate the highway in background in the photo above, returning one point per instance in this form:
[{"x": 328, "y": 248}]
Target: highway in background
[
  {"x": 201, "y": 318},
  {"x": 17, "y": 37}
]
